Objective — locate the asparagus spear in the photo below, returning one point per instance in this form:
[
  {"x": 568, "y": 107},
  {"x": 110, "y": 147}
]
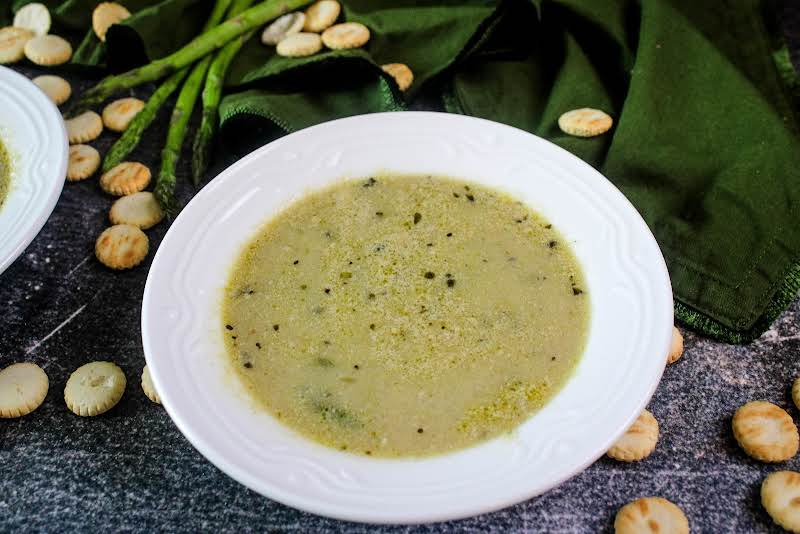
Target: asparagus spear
[
  {"x": 83, "y": 53},
  {"x": 165, "y": 184},
  {"x": 97, "y": 54},
  {"x": 199, "y": 47},
  {"x": 212, "y": 94},
  {"x": 133, "y": 134}
]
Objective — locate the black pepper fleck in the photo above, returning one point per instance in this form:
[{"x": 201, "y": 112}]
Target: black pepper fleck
[
  {"x": 276, "y": 327},
  {"x": 369, "y": 183},
  {"x": 429, "y": 244},
  {"x": 229, "y": 327},
  {"x": 303, "y": 286},
  {"x": 456, "y": 195},
  {"x": 552, "y": 244},
  {"x": 548, "y": 226},
  {"x": 356, "y": 367},
  {"x": 451, "y": 282},
  {"x": 429, "y": 275},
  {"x": 372, "y": 326},
  {"x": 420, "y": 431},
  {"x": 379, "y": 213},
  {"x": 576, "y": 291},
  {"x": 471, "y": 198},
  {"x": 295, "y": 262},
  {"x": 417, "y": 218},
  {"x": 258, "y": 344},
  {"x": 449, "y": 234},
  {"x": 327, "y": 290},
  {"x": 248, "y": 365}
]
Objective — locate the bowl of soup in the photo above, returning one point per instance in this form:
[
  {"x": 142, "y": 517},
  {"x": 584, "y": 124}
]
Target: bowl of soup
[
  {"x": 33, "y": 162},
  {"x": 406, "y": 317}
]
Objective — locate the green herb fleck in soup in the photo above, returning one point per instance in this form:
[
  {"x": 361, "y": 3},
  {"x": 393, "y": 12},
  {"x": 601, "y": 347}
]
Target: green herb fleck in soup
[{"x": 405, "y": 315}]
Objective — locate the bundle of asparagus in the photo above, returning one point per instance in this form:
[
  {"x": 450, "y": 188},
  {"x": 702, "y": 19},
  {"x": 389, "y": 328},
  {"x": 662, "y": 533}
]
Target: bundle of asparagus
[{"x": 201, "y": 64}]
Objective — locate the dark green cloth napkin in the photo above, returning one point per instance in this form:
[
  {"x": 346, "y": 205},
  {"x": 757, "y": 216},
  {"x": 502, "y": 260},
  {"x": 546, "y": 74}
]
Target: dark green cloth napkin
[{"x": 705, "y": 142}]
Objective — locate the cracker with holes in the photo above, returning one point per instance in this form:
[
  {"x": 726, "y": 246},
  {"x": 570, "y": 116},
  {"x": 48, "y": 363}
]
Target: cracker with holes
[
  {"x": 23, "y": 387},
  {"x": 321, "y": 15},
  {"x": 345, "y": 35},
  {"x": 121, "y": 246},
  {"x": 127, "y": 178},
  {"x": 585, "y": 122},
  {"x": 84, "y": 161},
  {"x": 148, "y": 387},
  {"x": 651, "y": 514},
  {"x": 34, "y": 17},
  {"x": 106, "y": 15},
  {"x": 94, "y": 388},
  {"x": 84, "y": 128},
  {"x": 12, "y": 44},
  {"x": 56, "y": 88},
  {"x": 283, "y": 27},
  {"x": 48, "y": 50},
  {"x": 299, "y": 45},
  {"x": 139, "y": 209},
  {"x": 780, "y": 497},
  {"x": 638, "y": 442},
  {"x": 676, "y": 346},
  {"x": 765, "y": 432},
  {"x": 401, "y": 73},
  {"x": 119, "y": 113}
]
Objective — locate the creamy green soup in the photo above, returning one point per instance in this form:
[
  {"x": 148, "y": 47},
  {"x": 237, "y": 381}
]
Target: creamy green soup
[
  {"x": 5, "y": 174},
  {"x": 405, "y": 315}
]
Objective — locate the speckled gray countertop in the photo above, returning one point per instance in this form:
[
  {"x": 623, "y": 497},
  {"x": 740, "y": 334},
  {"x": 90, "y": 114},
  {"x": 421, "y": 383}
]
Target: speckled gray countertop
[{"x": 131, "y": 470}]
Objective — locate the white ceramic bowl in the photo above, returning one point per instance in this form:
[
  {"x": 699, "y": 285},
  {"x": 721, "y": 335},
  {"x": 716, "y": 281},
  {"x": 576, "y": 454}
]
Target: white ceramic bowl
[
  {"x": 33, "y": 133},
  {"x": 628, "y": 285}
]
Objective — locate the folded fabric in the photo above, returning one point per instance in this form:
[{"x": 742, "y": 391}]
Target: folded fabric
[{"x": 705, "y": 142}]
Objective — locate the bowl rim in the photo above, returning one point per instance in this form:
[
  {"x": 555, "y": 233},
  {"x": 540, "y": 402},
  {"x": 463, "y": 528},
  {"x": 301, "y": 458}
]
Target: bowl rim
[
  {"x": 258, "y": 484},
  {"x": 55, "y": 137}
]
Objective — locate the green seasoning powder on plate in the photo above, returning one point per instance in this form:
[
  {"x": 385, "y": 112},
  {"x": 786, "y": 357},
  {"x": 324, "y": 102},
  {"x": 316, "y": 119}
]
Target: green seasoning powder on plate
[{"x": 5, "y": 173}]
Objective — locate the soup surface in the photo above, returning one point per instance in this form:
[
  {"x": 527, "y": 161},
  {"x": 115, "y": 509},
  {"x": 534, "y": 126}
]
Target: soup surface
[
  {"x": 405, "y": 315},
  {"x": 5, "y": 174}
]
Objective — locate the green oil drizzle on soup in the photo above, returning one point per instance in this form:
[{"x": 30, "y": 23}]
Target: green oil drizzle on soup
[
  {"x": 5, "y": 174},
  {"x": 405, "y": 315}
]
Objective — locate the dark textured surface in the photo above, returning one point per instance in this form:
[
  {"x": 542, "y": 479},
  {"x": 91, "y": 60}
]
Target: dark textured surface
[{"x": 131, "y": 469}]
